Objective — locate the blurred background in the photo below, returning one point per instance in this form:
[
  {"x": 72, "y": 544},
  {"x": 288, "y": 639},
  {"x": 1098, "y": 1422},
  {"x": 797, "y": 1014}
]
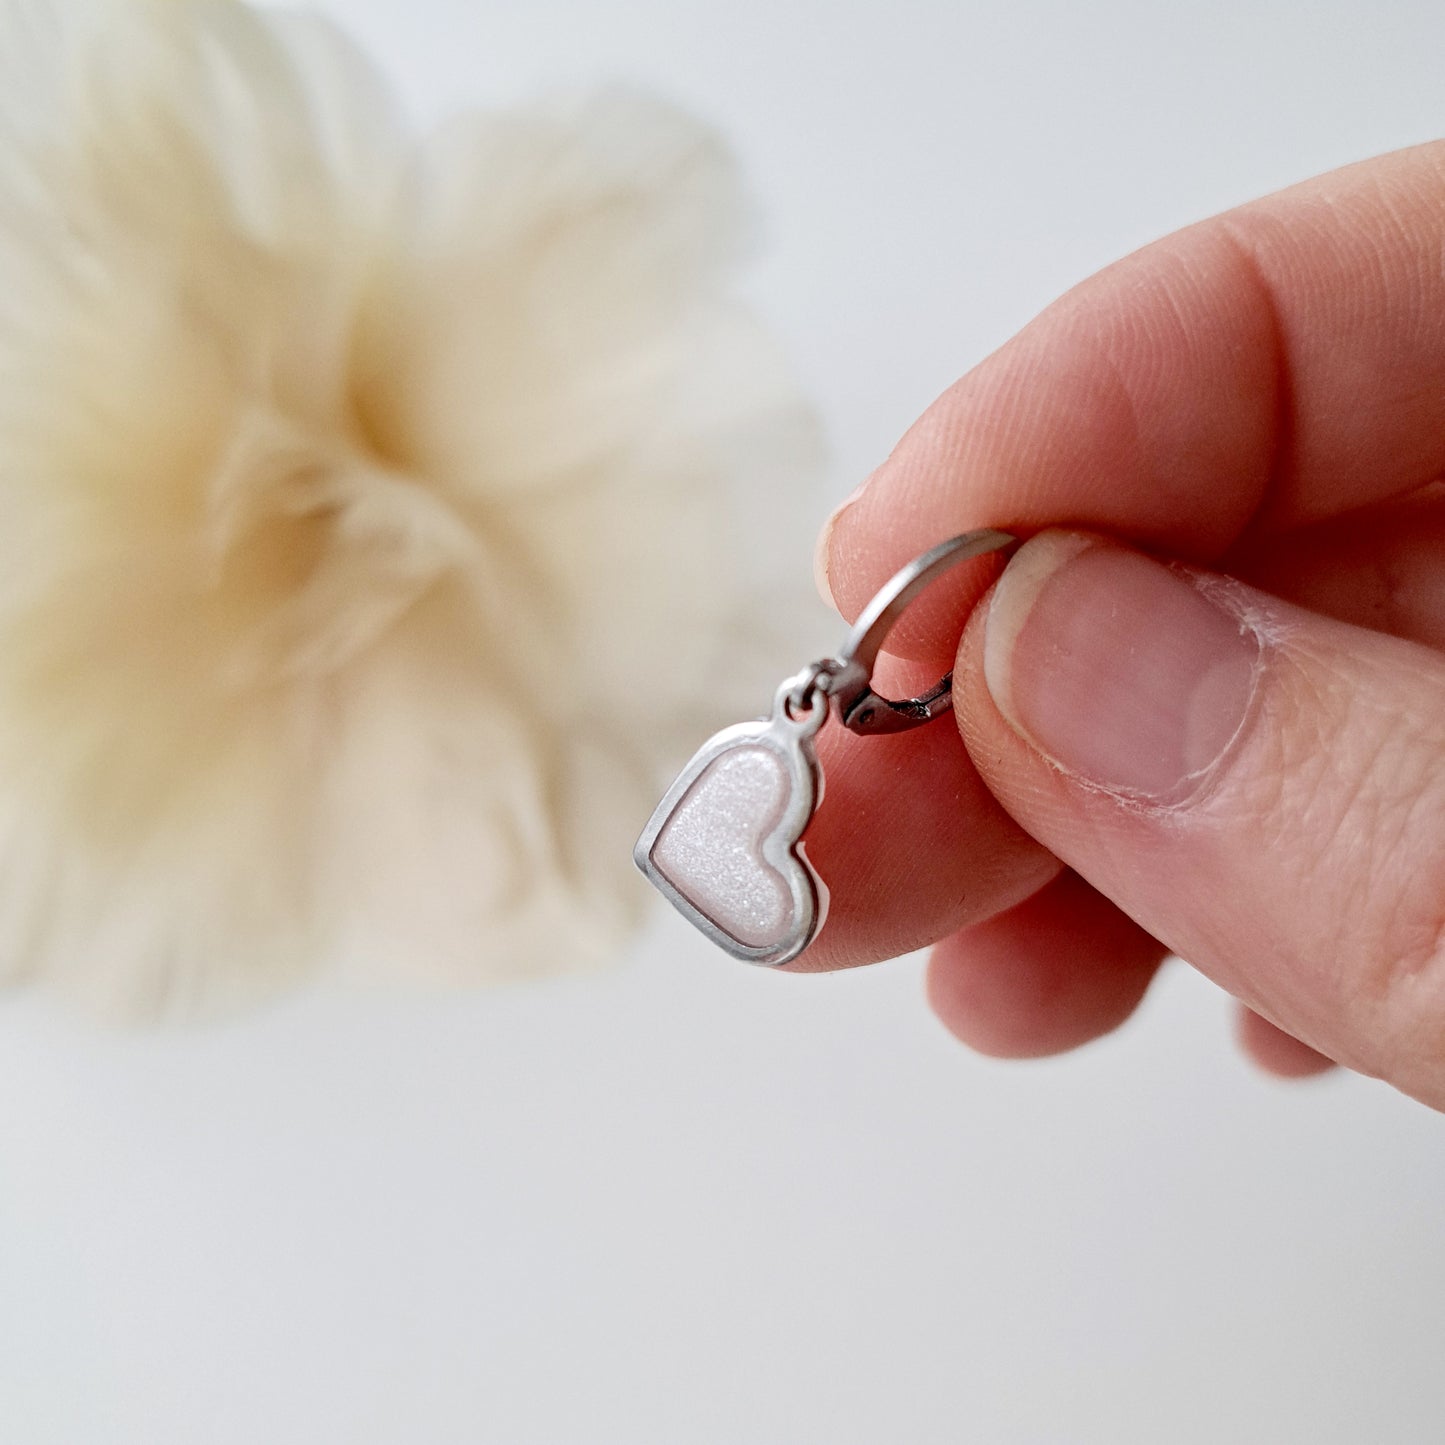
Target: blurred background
[{"x": 689, "y": 1203}]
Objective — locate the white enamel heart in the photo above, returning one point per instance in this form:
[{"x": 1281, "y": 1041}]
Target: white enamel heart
[{"x": 724, "y": 845}]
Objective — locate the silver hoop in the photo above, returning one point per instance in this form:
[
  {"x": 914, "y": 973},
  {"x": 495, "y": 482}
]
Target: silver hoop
[{"x": 848, "y": 678}]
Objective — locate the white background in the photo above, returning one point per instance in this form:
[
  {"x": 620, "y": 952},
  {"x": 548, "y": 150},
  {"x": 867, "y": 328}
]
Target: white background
[{"x": 687, "y": 1202}]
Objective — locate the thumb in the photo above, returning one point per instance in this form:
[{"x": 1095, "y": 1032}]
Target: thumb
[{"x": 1261, "y": 788}]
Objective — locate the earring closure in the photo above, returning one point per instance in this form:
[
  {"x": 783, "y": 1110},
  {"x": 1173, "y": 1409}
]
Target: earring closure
[{"x": 847, "y": 679}]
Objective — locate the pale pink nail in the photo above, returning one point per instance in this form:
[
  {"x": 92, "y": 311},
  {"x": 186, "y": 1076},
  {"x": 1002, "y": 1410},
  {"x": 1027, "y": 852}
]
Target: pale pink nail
[
  {"x": 822, "y": 553},
  {"x": 1117, "y": 667}
]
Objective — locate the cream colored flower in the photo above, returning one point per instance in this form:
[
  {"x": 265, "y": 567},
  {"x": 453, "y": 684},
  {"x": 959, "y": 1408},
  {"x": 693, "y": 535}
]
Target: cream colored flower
[{"x": 371, "y": 507}]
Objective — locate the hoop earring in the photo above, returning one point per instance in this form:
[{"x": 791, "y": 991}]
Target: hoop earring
[{"x": 725, "y": 844}]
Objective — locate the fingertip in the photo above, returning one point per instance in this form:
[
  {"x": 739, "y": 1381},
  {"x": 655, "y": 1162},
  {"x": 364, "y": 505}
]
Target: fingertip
[
  {"x": 911, "y": 846},
  {"x": 824, "y": 567},
  {"x": 1277, "y": 1052},
  {"x": 1057, "y": 971}
]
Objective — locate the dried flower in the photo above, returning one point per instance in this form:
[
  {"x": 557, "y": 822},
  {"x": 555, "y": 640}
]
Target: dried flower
[{"x": 369, "y": 507}]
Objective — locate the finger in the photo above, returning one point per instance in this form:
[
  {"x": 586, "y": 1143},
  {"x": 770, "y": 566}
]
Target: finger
[
  {"x": 911, "y": 846},
  {"x": 1007, "y": 989},
  {"x": 907, "y": 869},
  {"x": 1279, "y": 364},
  {"x": 1261, "y": 788},
  {"x": 1275, "y": 1051},
  {"x": 1382, "y": 568},
  {"x": 1053, "y": 972}
]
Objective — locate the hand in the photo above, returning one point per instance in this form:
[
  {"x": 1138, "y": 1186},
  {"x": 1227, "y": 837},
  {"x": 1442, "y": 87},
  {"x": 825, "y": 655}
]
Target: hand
[{"x": 1236, "y": 754}]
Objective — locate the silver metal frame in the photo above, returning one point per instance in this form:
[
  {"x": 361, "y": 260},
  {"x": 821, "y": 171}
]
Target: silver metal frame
[
  {"x": 792, "y": 740},
  {"x": 860, "y": 709}
]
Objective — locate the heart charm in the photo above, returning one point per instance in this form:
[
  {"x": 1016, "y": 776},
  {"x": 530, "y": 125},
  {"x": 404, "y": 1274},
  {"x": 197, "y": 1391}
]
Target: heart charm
[{"x": 724, "y": 845}]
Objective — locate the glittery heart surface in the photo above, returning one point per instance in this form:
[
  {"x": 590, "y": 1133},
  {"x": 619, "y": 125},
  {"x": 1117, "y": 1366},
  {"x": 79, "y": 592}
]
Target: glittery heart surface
[{"x": 723, "y": 845}]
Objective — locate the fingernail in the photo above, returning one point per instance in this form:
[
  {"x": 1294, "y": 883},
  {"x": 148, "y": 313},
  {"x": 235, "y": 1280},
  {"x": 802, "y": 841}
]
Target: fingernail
[
  {"x": 1117, "y": 668},
  {"x": 822, "y": 553}
]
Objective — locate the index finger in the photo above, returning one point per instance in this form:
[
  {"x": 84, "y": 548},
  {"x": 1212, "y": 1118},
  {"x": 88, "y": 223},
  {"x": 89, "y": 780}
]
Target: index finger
[{"x": 1281, "y": 363}]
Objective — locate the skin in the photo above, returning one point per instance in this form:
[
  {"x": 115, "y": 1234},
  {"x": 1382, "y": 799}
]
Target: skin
[{"x": 1259, "y": 397}]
